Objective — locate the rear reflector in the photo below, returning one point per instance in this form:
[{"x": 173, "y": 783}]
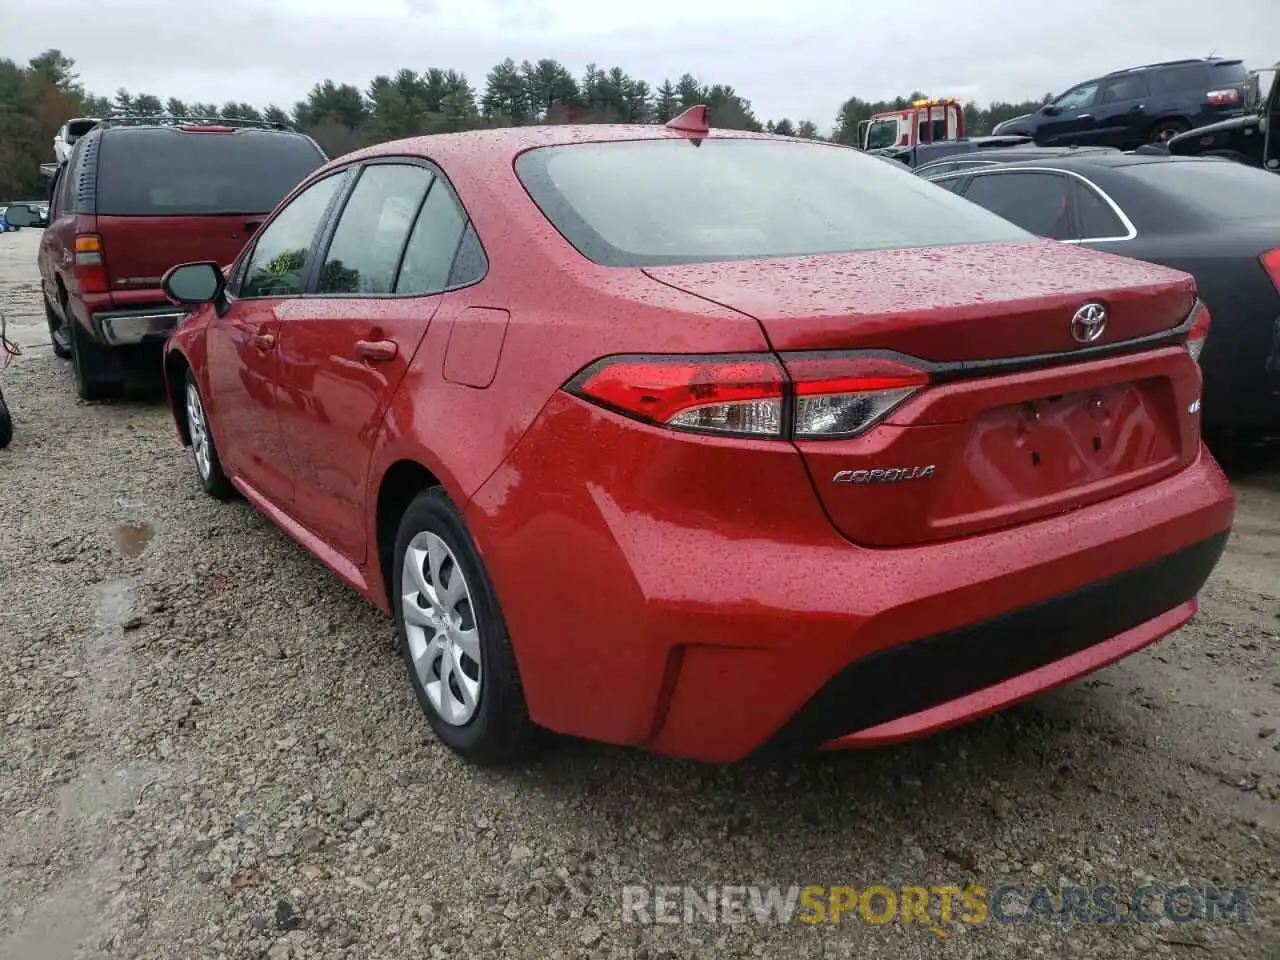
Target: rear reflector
[
  {"x": 1271, "y": 264},
  {"x": 90, "y": 263},
  {"x": 1199, "y": 330},
  {"x": 810, "y": 396},
  {"x": 1224, "y": 98}
]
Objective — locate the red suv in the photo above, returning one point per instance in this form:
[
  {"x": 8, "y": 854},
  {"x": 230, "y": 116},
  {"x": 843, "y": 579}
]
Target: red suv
[
  {"x": 135, "y": 197},
  {"x": 707, "y": 442}
]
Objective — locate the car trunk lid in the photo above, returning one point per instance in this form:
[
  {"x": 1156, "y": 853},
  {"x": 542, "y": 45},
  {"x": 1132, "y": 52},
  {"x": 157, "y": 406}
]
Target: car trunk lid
[{"x": 1020, "y": 420}]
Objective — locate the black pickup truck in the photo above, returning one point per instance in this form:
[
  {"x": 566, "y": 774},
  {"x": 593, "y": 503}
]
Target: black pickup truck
[{"x": 1253, "y": 138}]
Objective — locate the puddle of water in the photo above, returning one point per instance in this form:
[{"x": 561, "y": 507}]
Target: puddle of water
[{"x": 131, "y": 539}]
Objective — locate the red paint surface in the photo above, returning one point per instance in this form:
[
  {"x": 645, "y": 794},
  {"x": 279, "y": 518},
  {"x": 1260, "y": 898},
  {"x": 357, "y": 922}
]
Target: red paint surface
[{"x": 689, "y": 593}]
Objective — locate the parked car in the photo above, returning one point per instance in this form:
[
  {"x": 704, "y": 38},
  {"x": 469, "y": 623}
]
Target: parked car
[
  {"x": 1252, "y": 138},
  {"x": 1148, "y": 104},
  {"x": 1214, "y": 219},
  {"x": 770, "y": 445},
  {"x": 1005, "y": 155},
  {"x": 5, "y": 225},
  {"x": 136, "y": 197},
  {"x": 917, "y": 154}
]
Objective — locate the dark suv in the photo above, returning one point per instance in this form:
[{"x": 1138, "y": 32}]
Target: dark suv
[
  {"x": 135, "y": 197},
  {"x": 1128, "y": 108}
]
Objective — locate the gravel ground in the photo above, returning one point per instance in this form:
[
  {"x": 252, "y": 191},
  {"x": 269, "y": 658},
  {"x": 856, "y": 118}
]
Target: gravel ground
[{"x": 210, "y": 750}]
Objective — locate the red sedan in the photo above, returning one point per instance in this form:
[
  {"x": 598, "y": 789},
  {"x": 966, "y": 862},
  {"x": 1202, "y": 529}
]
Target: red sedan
[{"x": 708, "y": 442}]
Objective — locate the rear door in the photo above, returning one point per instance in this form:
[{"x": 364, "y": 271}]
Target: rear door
[
  {"x": 345, "y": 349},
  {"x": 1121, "y": 113},
  {"x": 166, "y": 195}
]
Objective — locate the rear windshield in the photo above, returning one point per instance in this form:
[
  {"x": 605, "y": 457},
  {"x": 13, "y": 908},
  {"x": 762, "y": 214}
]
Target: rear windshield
[
  {"x": 1214, "y": 189},
  {"x": 649, "y": 202},
  {"x": 167, "y": 172}
]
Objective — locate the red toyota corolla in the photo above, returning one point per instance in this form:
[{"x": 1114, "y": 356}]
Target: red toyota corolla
[{"x": 703, "y": 441}]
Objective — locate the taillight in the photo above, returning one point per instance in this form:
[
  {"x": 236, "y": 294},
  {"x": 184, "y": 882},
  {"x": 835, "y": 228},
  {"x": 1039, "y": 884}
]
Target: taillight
[
  {"x": 728, "y": 394},
  {"x": 1224, "y": 98},
  {"x": 1271, "y": 264},
  {"x": 810, "y": 396},
  {"x": 90, "y": 263},
  {"x": 1199, "y": 330},
  {"x": 843, "y": 395}
]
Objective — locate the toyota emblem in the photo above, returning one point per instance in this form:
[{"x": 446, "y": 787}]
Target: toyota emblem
[{"x": 1089, "y": 322}]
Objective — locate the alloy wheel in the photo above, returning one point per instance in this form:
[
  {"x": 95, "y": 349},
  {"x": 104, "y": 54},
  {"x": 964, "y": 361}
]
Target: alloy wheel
[
  {"x": 199, "y": 430},
  {"x": 440, "y": 626}
]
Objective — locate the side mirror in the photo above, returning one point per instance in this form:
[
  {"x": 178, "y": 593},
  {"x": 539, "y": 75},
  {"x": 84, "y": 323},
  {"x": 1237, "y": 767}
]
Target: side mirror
[
  {"x": 1049, "y": 110},
  {"x": 21, "y": 215},
  {"x": 192, "y": 283}
]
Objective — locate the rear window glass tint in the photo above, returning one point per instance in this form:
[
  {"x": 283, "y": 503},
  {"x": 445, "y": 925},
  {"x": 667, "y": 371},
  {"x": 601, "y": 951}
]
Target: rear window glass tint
[
  {"x": 675, "y": 201},
  {"x": 166, "y": 172},
  {"x": 1214, "y": 189}
]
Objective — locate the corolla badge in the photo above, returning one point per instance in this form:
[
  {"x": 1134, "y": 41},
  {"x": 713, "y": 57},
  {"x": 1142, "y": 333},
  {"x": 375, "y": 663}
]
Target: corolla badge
[
  {"x": 1089, "y": 322},
  {"x": 886, "y": 475}
]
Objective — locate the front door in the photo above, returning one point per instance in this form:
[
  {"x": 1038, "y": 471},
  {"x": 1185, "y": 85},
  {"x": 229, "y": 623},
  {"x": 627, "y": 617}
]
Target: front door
[
  {"x": 243, "y": 363},
  {"x": 1121, "y": 113},
  {"x": 1072, "y": 118},
  {"x": 380, "y": 282}
]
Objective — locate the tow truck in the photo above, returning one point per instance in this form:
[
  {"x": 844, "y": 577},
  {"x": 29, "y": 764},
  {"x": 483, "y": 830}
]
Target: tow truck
[
  {"x": 925, "y": 121},
  {"x": 927, "y": 130}
]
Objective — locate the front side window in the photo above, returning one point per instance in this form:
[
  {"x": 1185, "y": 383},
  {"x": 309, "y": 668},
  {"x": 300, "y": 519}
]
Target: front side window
[
  {"x": 277, "y": 266},
  {"x": 882, "y": 133},
  {"x": 1077, "y": 97},
  {"x": 371, "y": 232},
  {"x": 671, "y": 201},
  {"x": 1038, "y": 202}
]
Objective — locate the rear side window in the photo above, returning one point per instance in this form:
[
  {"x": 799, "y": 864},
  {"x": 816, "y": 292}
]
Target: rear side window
[
  {"x": 1191, "y": 77},
  {"x": 161, "y": 172},
  {"x": 372, "y": 230},
  {"x": 1131, "y": 86},
  {"x": 433, "y": 243},
  {"x": 676, "y": 201},
  {"x": 1097, "y": 220},
  {"x": 1037, "y": 202}
]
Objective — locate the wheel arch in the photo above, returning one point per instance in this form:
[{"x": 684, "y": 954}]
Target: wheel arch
[
  {"x": 176, "y": 367},
  {"x": 401, "y": 481}
]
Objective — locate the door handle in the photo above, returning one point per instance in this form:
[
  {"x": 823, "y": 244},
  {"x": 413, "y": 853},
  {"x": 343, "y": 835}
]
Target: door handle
[
  {"x": 377, "y": 350},
  {"x": 263, "y": 341},
  {"x": 1085, "y": 116}
]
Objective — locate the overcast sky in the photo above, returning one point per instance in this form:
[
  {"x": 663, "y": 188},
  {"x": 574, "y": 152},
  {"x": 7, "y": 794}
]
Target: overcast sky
[{"x": 794, "y": 58}]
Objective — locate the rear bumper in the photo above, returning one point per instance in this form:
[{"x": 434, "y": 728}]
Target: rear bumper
[
  {"x": 138, "y": 325},
  {"x": 669, "y": 599},
  {"x": 928, "y": 684}
]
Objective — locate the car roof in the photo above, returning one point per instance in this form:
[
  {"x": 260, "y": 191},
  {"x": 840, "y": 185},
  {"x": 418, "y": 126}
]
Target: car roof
[
  {"x": 1114, "y": 161},
  {"x": 510, "y": 141},
  {"x": 1190, "y": 61}
]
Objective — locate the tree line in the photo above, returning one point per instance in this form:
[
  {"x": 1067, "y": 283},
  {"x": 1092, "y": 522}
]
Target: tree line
[{"x": 36, "y": 99}]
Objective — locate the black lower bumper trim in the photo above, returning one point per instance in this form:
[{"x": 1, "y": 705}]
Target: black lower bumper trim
[{"x": 915, "y": 676}]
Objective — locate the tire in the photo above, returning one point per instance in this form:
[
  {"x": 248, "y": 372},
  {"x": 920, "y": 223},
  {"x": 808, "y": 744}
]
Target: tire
[
  {"x": 88, "y": 361},
  {"x": 59, "y": 336},
  {"x": 6, "y": 424},
  {"x": 204, "y": 454},
  {"x": 432, "y": 548},
  {"x": 1166, "y": 130}
]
